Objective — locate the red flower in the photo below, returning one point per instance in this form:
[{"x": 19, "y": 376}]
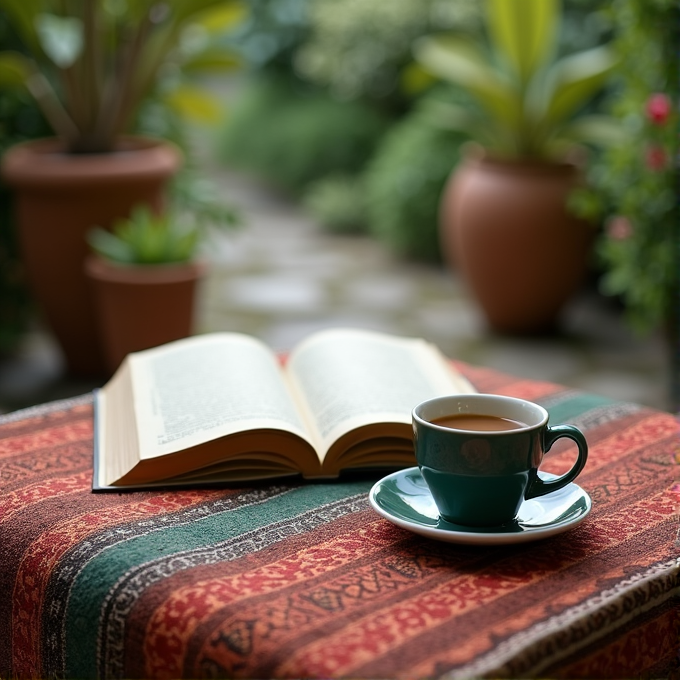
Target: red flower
[
  {"x": 658, "y": 108},
  {"x": 655, "y": 157},
  {"x": 619, "y": 228}
]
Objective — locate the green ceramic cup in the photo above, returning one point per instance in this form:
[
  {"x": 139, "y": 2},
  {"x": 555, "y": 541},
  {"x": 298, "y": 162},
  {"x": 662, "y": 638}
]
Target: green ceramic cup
[{"x": 480, "y": 478}]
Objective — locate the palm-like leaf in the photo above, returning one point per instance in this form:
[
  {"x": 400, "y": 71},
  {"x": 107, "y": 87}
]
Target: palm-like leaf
[
  {"x": 595, "y": 129},
  {"x": 524, "y": 32},
  {"x": 92, "y": 65},
  {"x": 461, "y": 62},
  {"x": 527, "y": 96},
  {"x": 21, "y": 14},
  {"x": 14, "y": 69},
  {"x": 575, "y": 79}
]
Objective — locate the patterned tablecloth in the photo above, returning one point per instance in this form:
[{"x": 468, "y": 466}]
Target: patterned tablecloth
[{"x": 306, "y": 580}]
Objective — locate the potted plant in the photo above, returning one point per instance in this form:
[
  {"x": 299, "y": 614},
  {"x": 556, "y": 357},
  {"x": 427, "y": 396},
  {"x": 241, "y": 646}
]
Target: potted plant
[
  {"x": 503, "y": 215},
  {"x": 143, "y": 279},
  {"x": 90, "y": 66}
]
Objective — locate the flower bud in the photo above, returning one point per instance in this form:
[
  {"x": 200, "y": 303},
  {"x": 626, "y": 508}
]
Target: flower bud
[
  {"x": 619, "y": 228},
  {"x": 658, "y": 108},
  {"x": 655, "y": 157}
]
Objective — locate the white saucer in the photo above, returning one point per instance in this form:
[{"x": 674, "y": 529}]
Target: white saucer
[{"x": 404, "y": 499}]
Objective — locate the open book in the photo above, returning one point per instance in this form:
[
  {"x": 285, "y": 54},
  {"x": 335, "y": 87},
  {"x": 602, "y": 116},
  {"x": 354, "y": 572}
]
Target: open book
[{"x": 221, "y": 407}]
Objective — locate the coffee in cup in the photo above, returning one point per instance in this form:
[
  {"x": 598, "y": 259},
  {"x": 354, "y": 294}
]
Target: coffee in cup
[
  {"x": 475, "y": 422},
  {"x": 479, "y": 454}
]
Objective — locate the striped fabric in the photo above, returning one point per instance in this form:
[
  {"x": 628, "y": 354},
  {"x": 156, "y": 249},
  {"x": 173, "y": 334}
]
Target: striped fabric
[{"x": 306, "y": 580}]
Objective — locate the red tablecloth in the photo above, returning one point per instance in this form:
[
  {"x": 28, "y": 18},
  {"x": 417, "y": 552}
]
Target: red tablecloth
[{"x": 306, "y": 580}]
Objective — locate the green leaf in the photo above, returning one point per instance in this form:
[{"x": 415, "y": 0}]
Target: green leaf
[
  {"x": 603, "y": 131},
  {"x": 211, "y": 60},
  {"x": 20, "y": 14},
  {"x": 224, "y": 16},
  {"x": 109, "y": 246},
  {"x": 61, "y": 38},
  {"x": 14, "y": 69},
  {"x": 462, "y": 63},
  {"x": 523, "y": 31},
  {"x": 146, "y": 238},
  {"x": 449, "y": 116},
  {"x": 574, "y": 79},
  {"x": 185, "y": 10},
  {"x": 195, "y": 103}
]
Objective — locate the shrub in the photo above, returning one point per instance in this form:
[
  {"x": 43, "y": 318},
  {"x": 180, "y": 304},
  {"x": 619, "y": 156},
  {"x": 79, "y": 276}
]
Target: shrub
[
  {"x": 361, "y": 49},
  {"x": 403, "y": 184},
  {"x": 337, "y": 202},
  {"x": 271, "y": 34},
  {"x": 20, "y": 120},
  {"x": 292, "y": 135},
  {"x": 635, "y": 184}
]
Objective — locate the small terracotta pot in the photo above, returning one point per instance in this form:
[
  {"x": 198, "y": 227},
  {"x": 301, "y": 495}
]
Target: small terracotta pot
[
  {"x": 58, "y": 198},
  {"x": 141, "y": 306},
  {"x": 505, "y": 227}
]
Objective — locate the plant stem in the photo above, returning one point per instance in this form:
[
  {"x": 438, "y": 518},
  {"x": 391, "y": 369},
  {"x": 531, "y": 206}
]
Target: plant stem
[
  {"x": 141, "y": 78},
  {"x": 52, "y": 108},
  {"x": 116, "y": 98},
  {"x": 90, "y": 61}
]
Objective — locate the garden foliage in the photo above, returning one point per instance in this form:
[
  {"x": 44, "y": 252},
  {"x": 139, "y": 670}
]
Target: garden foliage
[
  {"x": 360, "y": 49},
  {"x": 291, "y": 134},
  {"x": 342, "y": 122},
  {"x": 403, "y": 183},
  {"x": 635, "y": 190},
  {"x": 90, "y": 65},
  {"x": 338, "y": 203},
  {"x": 20, "y": 120}
]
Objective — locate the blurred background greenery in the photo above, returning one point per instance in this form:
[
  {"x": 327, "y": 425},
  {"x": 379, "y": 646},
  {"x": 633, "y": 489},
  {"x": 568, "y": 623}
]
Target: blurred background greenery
[
  {"x": 333, "y": 110},
  {"x": 330, "y": 106}
]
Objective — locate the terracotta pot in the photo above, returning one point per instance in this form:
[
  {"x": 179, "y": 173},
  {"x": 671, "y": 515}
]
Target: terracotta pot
[
  {"x": 141, "y": 306},
  {"x": 58, "y": 198},
  {"x": 505, "y": 228}
]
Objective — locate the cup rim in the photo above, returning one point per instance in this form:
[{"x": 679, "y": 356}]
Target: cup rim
[{"x": 516, "y": 402}]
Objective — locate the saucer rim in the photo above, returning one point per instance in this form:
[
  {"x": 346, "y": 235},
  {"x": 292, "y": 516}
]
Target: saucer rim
[{"x": 471, "y": 536}]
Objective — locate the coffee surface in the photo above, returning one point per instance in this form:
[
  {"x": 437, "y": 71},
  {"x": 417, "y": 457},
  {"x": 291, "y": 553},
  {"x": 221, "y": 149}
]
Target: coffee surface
[{"x": 483, "y": 423}]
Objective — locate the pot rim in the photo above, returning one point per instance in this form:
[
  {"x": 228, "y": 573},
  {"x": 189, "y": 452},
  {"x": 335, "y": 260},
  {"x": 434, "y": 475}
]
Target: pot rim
[
  {"x": 44, "y": 162},
  {"x": 99, "y": 269},
  {"x": 475, "y": 155}
]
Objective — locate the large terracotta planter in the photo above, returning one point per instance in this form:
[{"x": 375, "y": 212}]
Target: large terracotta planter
[
  {"x": 506, "y": 229},
  {"x": 141, "y": 306},
  {"x": 58, "y": 198}
]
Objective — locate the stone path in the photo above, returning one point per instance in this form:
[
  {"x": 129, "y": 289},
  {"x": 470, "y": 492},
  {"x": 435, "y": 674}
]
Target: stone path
[{"x": 281, "y": 277}]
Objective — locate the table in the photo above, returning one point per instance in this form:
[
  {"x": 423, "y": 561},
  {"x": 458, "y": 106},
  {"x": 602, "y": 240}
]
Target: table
[{"x": 306, "y": 580}]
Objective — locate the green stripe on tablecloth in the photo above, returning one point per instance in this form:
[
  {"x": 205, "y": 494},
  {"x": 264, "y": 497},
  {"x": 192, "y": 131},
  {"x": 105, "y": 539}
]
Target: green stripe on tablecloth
[
  {"x": 576, "y": 405},
  {"x": 101, "y": 573}
]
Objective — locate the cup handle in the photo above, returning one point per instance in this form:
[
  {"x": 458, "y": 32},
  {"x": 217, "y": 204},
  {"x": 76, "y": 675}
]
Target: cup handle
[{"x": 539, "y": 487}]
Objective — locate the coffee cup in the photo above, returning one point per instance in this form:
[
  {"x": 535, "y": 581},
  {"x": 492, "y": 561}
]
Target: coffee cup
[{"x": 479, "y": 454}]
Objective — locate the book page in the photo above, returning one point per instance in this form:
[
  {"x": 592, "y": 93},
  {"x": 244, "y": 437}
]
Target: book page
[
  {"x": 195, "y": 390},
  {"x": 347, "y": 379},
  {"x": 116, "y": 427}
]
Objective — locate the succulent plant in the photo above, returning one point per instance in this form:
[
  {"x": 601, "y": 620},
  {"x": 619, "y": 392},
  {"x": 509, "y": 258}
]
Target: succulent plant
[{"x": 147, "y": 238}]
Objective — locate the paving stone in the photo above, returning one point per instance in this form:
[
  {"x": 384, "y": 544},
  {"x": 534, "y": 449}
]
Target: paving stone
[
  {"x": 452, "y": 319},
  {"x": 279, "y": 294},
  {"x": 381, "y": 293}
]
